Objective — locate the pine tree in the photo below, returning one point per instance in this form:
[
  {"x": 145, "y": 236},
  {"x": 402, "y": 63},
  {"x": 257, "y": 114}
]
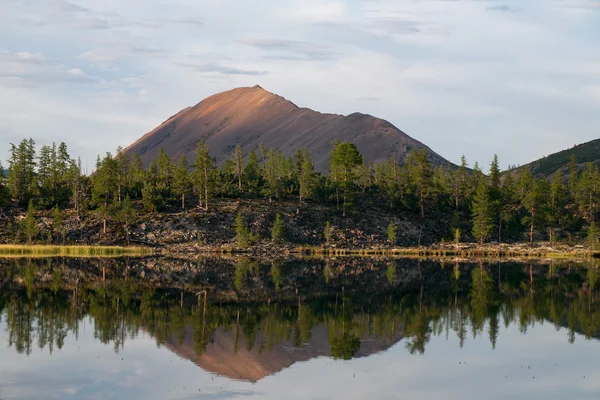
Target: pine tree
[
  {"x": 21, "y": 166},
  {"x": 203, "y": 174},
  {"x": 306, "y": 177},
  {"x": 421, "y": 176},
  {"x": 588, "y": 192},
  {"x": 164, "y": 176},
  {"x": 557, "y": 203},
  {"x": 345, "y": 157},
  {"x": 252, "y": 173},
  {"x": 29, "y": 225},
  {"x": 243, "y": 237},
  {"x": 104, "y": 186},
  {"x": 270, "y": 175},
  {"x": 278, "y": 231},
  {"x": 238, "y": 158},
  {"x": 482, "y": 213},
  {"x": 533, "y": 200},
  {"x": 391, "y": 233},
  {"x": 122, "y": 163},
  {"x": 181, "y": 179},
  {"x": 459, "y": 182}
]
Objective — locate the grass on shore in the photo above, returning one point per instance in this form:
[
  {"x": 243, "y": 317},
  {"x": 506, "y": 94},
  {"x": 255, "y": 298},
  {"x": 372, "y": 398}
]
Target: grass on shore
[
  {"x": 433, "y": 252},
  {"x": 10, "y": 250}
]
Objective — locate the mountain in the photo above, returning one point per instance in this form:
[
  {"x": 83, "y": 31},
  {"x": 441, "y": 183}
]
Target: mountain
[
  {"x": 252, "y": 116},
  {"x": 235, "y": 359},
  {"x": 547, "y": 166}
]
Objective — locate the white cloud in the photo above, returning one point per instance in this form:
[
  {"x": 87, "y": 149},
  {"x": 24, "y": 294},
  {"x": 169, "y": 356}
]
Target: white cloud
[{"x": 459, "y": 76}]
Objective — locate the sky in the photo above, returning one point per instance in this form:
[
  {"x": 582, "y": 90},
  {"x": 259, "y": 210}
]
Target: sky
[{"x": 520, "y": 79}]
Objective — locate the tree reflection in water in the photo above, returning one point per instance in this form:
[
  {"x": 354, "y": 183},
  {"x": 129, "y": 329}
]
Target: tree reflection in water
[{"x": 360, "y": 312}]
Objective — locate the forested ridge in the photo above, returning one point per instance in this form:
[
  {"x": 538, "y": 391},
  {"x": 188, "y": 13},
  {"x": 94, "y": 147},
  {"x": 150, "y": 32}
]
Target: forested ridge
[{"x": 511, "y": 206}]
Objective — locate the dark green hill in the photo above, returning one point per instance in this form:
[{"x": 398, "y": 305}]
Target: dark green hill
[{"x": 584, "y": 153}]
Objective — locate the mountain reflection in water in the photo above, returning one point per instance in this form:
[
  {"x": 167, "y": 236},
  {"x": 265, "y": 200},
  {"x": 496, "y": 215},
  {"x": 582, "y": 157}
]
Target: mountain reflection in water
[{"x": 267, "y": 316}]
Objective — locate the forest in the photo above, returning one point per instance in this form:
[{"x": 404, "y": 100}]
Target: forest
[{"x": 499, "y": 206}]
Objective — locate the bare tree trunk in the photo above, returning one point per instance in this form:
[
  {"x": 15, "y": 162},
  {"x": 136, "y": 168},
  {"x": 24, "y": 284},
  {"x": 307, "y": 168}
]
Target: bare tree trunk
[{"x": 183, "y": 201}]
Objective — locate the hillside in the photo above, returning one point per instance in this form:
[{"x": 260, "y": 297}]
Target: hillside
[
  {"x": 253, "y": 116},
  {"x": 584, "y": 153}
]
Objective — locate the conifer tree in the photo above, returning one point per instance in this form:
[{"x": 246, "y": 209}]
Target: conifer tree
[
  {"x": 482, "y": 213},
  {"x": 391, "y": 233},
  {"x": 57, "y": 225},
  {"x": 421, "y": 176},
  {"x": 122, "y": 163},
  {"x": 557, "y": 203},
  {"x": 306, "y": 177},
  {"x": 104, "y": 186},
  {"x": 181, "y": 179},
  {"x": 278, "y": 231},
  {"x": 345, "y": 157},
  {"x": 164, "y": 176},
  {"x": 495, "y": 174},
  {"x": 243, "y": 236},
  {"x": 588, "y": 192},
  {"x": 238, "y": 158},
  {"x": 270, "y": 176},
  {"x": 29, "y": 226},
  {"x": 533, "y": 200},
  {"x": 459, "y": 182},
  {"x": 252, "y": 173},
  {"x": 203, "y": 174}
]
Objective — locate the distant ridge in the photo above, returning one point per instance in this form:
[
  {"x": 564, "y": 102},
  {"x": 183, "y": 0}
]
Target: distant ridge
[
  {"x": 547, "y": 166},
  {"x": 252, "y": 116}
]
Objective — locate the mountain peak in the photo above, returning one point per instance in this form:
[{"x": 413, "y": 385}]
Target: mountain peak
[{"x": 251, "y": 116}]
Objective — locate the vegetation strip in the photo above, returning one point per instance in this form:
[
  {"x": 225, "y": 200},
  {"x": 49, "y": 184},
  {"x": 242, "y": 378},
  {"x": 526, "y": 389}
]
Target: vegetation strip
[{"x": 72, "y": 251}]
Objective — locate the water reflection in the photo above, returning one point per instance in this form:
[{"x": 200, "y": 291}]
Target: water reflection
[{"x": 304, "y": 309}]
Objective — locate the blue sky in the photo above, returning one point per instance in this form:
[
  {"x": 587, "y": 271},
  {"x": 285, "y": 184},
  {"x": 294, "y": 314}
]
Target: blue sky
[{"x": 474, "y": 77}]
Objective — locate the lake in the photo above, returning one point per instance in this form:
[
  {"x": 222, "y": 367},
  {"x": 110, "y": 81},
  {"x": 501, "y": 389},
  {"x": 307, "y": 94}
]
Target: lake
[{"x": 342, "y": 328}]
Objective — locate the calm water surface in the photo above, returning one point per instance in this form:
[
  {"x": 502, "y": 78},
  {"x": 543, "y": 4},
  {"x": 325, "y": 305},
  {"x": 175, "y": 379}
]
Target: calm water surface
[{"x": 335, "y": 329}]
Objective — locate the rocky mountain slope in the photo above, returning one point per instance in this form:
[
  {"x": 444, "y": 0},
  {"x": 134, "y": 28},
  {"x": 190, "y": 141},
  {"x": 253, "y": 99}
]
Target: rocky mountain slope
[{"x": 252, "y": 116}]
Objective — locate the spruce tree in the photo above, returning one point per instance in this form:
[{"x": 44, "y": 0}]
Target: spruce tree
[
  {"x": 278, "y": 231},
  {"x": 243, "y": 237},
  {"x": 482, "y": 213},
  {"x": 421, "y": 176},
  {"x": 392, "y": 233}
]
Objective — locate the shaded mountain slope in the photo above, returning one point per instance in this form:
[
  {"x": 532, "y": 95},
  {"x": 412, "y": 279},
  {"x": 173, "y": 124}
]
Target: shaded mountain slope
[
  {"x": 254, "y": 116},
  {"x": 547, "y": 166}
]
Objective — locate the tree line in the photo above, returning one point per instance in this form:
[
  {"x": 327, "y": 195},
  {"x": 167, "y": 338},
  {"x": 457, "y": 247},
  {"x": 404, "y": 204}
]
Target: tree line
[{"x": 498, "y": 205}]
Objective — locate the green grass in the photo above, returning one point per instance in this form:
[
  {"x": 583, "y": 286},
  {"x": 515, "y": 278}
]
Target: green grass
[{"x": 11, "y": 250}]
